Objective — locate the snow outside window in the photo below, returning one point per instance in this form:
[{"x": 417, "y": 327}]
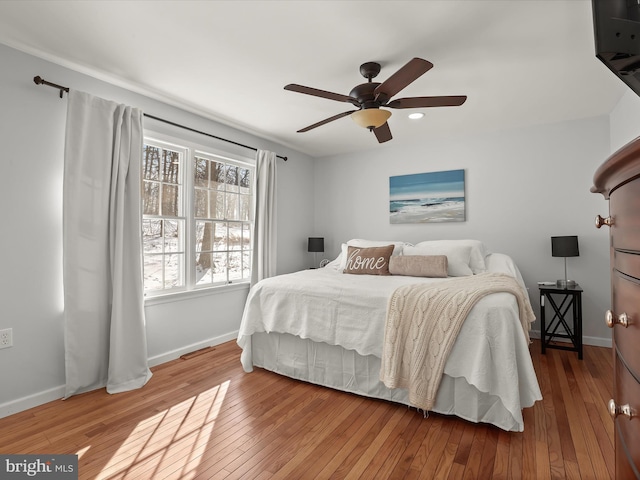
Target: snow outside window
[{"x": 197, "y": 218}]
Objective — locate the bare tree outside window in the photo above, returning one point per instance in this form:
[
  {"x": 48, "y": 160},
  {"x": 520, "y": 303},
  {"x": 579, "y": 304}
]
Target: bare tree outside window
[
  {"x": 220, "y": 219},
  {"x": 218, "y": 203},
  {"x": 163, "y": 224}
]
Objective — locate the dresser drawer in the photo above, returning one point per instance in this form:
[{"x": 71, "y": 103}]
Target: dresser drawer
[
  {"x": 628, "y": 263},
  {"x": 623, "y": 466},
  {"x": 624, "y": 208},
  {"x": 627, "y": 391},
  {"x": 626, "y": 299},
  {"x": 624, "y": 470}
]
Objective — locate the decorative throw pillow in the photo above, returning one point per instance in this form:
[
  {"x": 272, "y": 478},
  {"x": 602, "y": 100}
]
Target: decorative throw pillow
[
  {"x": 368, "y": 261},
  {"x": 457, "y": 257},
  {"x": 363, "y": 243},
  {"x": 419, "y": 265}
]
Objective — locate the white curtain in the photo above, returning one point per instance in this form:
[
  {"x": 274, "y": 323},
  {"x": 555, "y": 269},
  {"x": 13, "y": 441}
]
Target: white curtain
[
  {"x": 264, "y": 234},
  {"x": 105, "y": 339}
]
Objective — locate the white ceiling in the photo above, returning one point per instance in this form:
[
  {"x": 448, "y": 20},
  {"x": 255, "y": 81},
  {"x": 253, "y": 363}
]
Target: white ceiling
[{"x": 519, "y": 62}]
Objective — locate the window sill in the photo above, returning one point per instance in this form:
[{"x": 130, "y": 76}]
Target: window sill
[{"x": 202, "y": 292}]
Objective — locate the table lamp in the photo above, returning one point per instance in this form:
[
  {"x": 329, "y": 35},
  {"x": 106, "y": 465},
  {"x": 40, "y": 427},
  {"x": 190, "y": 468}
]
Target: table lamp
[
  {"x": 316, "y": 244},
  {"x": 566, "y": 246}
]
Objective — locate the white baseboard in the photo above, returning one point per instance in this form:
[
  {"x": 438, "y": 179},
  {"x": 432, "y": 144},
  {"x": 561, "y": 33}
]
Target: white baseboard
[
  {"x": 30, "y": 401},
  {"x": 57, "y": 393},
  {"x": 593, "y": 341},
  {"x": 172, "y": 355}
]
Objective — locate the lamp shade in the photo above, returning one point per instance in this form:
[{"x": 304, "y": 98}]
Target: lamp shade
[
  {"x": 565, "y": 246},
  {"x": 370, "y": 117},
  {"x": 316, "y": 244}
]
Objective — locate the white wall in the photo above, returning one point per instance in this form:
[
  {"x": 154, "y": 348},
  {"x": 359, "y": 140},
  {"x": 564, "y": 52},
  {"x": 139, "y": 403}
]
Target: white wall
[
  {"x": 625, "y": 120},
  {"x": 32, "y": 127},
  {"x": 522, "y": 187}
]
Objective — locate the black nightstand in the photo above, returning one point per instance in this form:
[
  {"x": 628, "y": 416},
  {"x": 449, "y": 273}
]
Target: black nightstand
[{"x": 570, "y": 299}]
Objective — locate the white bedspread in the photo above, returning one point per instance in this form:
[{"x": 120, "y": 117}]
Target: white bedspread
[{"x": 323, "y": 305}]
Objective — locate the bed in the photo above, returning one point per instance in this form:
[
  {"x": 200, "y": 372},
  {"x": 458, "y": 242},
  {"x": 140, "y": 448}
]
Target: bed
[{"x": 327, "y": 327}]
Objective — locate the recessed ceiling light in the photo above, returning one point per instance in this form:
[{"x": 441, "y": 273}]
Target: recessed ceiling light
[{"x": 416, "y": 115}]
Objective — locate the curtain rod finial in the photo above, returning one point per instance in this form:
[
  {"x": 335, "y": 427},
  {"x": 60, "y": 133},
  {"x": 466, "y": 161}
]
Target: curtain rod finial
[{"x": 38, "y": 80}]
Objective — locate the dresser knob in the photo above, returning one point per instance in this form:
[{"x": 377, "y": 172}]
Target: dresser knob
[
  {"x": 603, "y": 221},
  {"x": 611, "y": 320},
  {"x": 615, "y": 410}
]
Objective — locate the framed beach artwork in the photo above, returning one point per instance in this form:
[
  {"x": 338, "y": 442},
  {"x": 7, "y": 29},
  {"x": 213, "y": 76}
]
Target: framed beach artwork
[{"x": 427, "y": 197}]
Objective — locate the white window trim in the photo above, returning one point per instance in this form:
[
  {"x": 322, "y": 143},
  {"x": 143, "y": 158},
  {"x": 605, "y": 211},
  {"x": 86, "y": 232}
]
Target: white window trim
[
  {"x": 174, "y": 296},
  {"x": 191, "y": 149}
]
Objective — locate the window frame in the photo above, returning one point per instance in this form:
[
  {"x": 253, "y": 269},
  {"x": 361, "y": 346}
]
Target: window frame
[{"x": 192, "y": 150}]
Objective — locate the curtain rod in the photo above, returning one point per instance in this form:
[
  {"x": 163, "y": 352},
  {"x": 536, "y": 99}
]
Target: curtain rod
[{"x": 41, "y": 81}]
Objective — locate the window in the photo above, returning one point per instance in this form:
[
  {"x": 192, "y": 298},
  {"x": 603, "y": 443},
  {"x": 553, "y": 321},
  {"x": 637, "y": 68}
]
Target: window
[
  {"x": 163, "y": 221},
  {"x": 222, "y": 208},
  {"x": 197, "y": 217}
]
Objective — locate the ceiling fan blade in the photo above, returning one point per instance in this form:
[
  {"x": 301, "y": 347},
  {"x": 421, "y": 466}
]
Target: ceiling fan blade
[
  {"x": 403, "y": 77},
  {"x": 419, "y": 102},
  {"x": 319, "y": 93},
  {"x": 326, "y": 120},
  {"x": 383, "y": 133}
]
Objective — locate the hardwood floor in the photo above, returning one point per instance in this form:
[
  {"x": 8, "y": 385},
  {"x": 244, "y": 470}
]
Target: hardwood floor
[{"x": 204, "y": 418}]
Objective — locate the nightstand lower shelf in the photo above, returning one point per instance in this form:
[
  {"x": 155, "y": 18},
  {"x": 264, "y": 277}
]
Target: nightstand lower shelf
[{"x": 561, "y": 326}]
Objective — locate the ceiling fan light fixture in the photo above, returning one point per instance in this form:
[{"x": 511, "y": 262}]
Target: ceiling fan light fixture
[{"x": 370, "y": 117}]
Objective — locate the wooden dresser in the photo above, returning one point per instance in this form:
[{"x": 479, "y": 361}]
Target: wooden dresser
[{"x": 618, "y": 179}]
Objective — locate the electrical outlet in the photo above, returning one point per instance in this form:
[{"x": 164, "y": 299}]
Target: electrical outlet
[{"x": 6, "y": 338}]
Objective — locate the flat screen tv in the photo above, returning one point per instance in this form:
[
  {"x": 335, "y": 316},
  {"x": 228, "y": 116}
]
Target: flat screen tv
[{"x": 617, "y": 38}]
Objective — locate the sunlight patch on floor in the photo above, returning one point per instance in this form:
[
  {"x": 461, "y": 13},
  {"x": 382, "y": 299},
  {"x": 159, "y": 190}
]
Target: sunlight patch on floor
[
  {"x": 82, "y": 451},
  {"x": 172, "y": 440}
]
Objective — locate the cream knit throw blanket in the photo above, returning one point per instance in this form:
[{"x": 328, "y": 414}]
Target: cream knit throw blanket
[{"x": 423, "y": 321}]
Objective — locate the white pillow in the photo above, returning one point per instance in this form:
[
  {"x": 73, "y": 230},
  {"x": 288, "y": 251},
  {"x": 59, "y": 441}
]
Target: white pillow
[
  {"x": 478, "y": 251},
  {"x": 335, "y": 263},
  {"x": 458, "y": 257},
  {"x": 359, "y": 242}
]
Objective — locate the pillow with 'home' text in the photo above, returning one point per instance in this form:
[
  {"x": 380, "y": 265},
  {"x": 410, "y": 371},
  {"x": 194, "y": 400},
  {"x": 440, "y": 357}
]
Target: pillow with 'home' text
[
  {"x": 368, "y": 261},
  {"x": 362, "y": 243}
]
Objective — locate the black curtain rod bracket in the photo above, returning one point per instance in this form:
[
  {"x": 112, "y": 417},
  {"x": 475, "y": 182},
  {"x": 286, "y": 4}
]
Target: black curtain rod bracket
[{"x": 38, "y": 80}]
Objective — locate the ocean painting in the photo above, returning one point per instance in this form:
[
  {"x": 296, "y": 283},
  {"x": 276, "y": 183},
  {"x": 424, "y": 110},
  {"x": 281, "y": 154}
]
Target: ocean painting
[{"x": 427, "y": 197}]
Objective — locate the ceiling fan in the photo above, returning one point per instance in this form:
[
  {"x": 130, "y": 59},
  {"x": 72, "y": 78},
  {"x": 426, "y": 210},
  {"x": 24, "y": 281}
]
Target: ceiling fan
[{"x": 370, "y": 96}]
